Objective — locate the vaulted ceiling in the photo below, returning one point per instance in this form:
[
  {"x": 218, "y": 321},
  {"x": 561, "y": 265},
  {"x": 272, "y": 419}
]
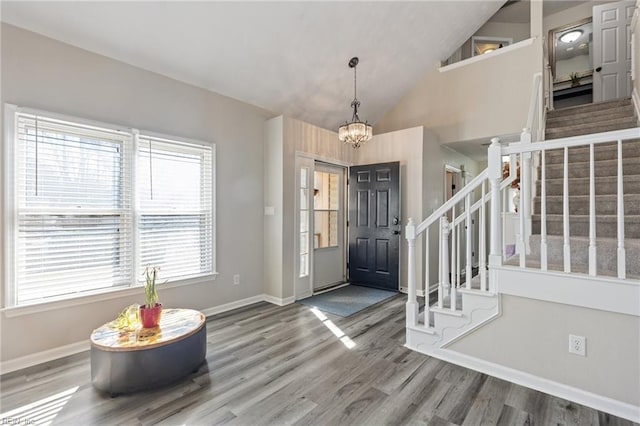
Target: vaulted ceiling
[{"x": 287, "y": 57}]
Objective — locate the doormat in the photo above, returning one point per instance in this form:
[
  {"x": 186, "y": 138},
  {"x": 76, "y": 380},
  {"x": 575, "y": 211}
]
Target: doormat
[{"x": 346, "y": 301}]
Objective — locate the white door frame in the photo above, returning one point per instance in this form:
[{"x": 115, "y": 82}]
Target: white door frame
[{"x": 303, "y": 286}]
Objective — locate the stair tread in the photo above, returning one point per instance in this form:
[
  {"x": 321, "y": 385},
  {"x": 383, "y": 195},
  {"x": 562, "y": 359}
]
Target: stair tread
[
  {"x": 624, "y": 110},
  {"x": 602, "y": 163},
  {"x": 599, "y": 217},
  {"x": 534, "y": 263},
  {"x": 596, "y": 123},
  {"x": 599, "y": 106}
]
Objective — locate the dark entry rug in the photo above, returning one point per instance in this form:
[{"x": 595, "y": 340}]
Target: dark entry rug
[{"x": 348, "y": 300}]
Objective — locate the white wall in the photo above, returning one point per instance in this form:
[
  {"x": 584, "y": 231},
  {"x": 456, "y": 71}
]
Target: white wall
[
  {"x": 478, "y": 100},
  {"x": 533, "y": 336},
  {"x": 404, "y": 146},
  {"x": 42, "y": 73},
  {"x": 284, "y": 137}
]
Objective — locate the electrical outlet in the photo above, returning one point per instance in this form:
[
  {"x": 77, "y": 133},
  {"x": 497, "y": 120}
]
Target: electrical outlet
[
  {"x": 577, "y": 345},
  {"x": 236, "y": 279}
]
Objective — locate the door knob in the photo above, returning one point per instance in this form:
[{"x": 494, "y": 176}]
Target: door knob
[
  {"x": 396, "y": 232},
  {"x": 598, "y": 69}
]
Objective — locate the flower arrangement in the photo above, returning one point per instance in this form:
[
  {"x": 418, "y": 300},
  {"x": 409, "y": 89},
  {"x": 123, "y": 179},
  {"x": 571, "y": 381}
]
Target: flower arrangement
[
  {"x": 151, "y": 311},
  {"x": 151, "y": 295},
  {"x": 575, "y": 79}
]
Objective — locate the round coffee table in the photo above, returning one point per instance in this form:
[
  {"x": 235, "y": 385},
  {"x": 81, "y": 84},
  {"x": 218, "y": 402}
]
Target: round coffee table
[{"x": 125, "y": 361}]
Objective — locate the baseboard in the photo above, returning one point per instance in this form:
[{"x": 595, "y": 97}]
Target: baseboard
[
  {"x": 635, "y": 98},
  {"x": 75, "y": 348},
  {"x": 278, "y": 301},
  {"x": 44, "y": 356},
  {"x": 561, "y": 390},
  {"x": 232, "y": 305}
]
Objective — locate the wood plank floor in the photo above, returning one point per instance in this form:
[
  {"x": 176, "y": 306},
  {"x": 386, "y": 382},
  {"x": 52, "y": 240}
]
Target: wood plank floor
[{"x": 270, "y": 365}]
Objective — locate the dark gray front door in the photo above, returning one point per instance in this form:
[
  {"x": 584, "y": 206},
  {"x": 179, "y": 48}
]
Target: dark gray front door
[{"x": 374, "y": 225}]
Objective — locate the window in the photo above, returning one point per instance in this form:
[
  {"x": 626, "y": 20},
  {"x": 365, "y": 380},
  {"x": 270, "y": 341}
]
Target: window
[
  {"x": 326, "y": 202},
  {"x": 84, "y": 224},
  {"x": 304, "y": 222}
]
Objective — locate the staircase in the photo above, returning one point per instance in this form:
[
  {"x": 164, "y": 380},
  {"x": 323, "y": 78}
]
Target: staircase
[
  {"x": 581, "y": 120},
  {"x": 611, "y": 130}
]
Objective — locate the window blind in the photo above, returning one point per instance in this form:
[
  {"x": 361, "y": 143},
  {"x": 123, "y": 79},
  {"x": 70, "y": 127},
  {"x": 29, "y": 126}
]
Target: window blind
[
  {"x": 73, "y": 230},
  {"x": 175, "y": 207}
]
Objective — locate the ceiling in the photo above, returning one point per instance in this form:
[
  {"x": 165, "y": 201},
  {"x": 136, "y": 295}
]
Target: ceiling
[{"x": 287, "y": 57}]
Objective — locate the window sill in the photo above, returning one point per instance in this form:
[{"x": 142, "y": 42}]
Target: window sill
[
  {"x": 114, "y": 293},
  {"x": 474, "y": 59}
]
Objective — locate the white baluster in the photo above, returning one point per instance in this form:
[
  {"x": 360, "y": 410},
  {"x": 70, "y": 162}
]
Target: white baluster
[
  {"x": 525, "y": 191},
  {"x": 454, "y": 284},
  {"x": 565, "y": 213},
  {"x": 458, "y": 269},
  {"x": 412, "y": 301},
  {"x": 522, "y": 250},
  {"x": 495, "y": 230},
  {"x": 622, "y": 266},
  {"x": 444, "y": 260},
  {"x": 467, "y": 208},
  {"x": 482, "y": 243},
  {"x": 426, "y": 277},
  {"x": 592, "y": 213},
  {"x": 543, "y": 214}
]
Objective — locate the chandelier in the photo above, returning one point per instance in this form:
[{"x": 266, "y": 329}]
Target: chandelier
[{"x": 356, "y": 132}]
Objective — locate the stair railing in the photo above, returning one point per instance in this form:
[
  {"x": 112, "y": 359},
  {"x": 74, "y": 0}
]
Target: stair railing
[
  {"x": 454, "y": 218},
  {"x": 523, "y": 150}
]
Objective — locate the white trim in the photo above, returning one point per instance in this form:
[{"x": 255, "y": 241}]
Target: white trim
[
  {"x": 330, "y": 289},
  {"x": 8, "y": 234},
  {"x": 209, "y": 312},
  {"x": 44, "y": 356},
  {"x": 561, "y": 390},
  {"x": 75, "y": 348},
  {"x": 635, "y": 97},
  {"x": 604, "y": 293},
  {"x": 279, "y": 301},
  {"x": 108, "y": 294},
  {"x": 474, "y": 59}
]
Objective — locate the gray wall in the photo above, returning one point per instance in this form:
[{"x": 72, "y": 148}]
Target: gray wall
[
  {"x": 533, "y": 336},
  {"x": 42, "y": 73}
]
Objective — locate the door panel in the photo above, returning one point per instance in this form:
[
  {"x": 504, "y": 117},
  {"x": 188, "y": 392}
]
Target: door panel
[
  {"x": 374, "y": 225},
  {"x": 612, "y": 50}
]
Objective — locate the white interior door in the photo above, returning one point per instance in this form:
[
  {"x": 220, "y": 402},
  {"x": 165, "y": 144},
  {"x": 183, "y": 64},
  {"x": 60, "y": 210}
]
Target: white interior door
[
  {"x": 612, "y": 50},
  {"x": 329, "y": 253}
]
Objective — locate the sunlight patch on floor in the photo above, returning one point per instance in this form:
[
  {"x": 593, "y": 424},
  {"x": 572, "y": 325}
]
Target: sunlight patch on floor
[
  {"x": 334, "y": 328},
  {"x": 41, "y": 412}
]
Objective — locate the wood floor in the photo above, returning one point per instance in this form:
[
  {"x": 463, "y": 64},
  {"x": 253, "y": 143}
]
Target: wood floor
[{"x": 270, "y": 365}]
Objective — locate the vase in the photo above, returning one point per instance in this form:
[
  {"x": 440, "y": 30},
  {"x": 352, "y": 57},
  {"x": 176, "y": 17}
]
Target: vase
[{"x": 150, "y": 317}]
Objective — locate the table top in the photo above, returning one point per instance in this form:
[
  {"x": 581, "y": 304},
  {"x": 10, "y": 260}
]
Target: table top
[{"x": 175, "y": 325}]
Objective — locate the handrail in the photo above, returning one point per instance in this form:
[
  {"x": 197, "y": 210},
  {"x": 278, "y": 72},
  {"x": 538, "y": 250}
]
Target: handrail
[
  {"x": 466, "y": 190},
  {"x": 573, "y": 141}
]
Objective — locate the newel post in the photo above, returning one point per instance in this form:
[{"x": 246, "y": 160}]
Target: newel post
[
  {"x": 495, "y": 223},
  {"x": 412, "y": 300}
]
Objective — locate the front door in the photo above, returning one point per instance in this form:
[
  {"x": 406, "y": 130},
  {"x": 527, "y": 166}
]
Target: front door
[
  {"x": 329, "y": 252},
  {"x": 374, "y": 225},
  {"x": 612, "y": 50}
]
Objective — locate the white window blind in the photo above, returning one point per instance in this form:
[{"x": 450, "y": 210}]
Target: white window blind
[
  {"x": 92, "y": 206},
  {"x": 73, "y": 222},
  {"x": 174, "y": 194}
]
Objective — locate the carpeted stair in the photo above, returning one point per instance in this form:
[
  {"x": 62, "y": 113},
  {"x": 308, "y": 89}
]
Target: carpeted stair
[{"x": 581, "y": 120}]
